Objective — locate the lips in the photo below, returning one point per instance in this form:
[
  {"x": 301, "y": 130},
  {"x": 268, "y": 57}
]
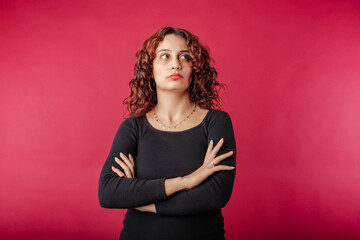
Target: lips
[{"x": 175, "y": 76}]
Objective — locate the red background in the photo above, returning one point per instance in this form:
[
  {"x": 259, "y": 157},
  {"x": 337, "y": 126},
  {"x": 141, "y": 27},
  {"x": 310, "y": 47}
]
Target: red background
[{"x": 292, "y": 71}]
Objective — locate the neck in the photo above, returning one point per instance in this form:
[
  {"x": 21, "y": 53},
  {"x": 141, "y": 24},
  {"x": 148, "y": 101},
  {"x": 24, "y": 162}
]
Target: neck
[{"x": 171, "y": 108}]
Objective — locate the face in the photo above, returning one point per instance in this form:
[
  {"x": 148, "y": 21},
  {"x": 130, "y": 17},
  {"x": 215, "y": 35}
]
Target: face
[{"x": 172, "y": 56}]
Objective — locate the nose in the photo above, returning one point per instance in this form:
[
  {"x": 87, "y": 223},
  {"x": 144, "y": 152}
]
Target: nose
[{"x": 175, "y": 64}]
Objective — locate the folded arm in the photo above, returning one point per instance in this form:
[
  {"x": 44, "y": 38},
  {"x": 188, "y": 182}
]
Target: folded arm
[
  {"x": 206, "y": 188},
  {"x": 216, "y": 190},
  {"x": 119, "y": 192}
]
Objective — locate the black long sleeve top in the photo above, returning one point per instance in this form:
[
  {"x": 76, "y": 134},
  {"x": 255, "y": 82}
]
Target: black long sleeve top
[{"x": 188, "y": 214}]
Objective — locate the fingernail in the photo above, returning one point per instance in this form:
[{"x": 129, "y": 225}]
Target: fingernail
[{"x": 221, "y": 139}]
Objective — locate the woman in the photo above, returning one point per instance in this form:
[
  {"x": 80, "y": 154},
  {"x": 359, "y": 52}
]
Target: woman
[{"x": 172, "y": 162}]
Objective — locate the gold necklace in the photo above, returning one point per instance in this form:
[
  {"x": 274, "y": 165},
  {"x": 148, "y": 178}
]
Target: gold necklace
[{"x": 168, "y": 127}]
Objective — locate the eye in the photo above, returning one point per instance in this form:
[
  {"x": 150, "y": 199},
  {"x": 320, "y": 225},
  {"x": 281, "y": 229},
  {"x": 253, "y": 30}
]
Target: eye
[
  {"x": 186, "y": 57},
  {"x": 162, "y": 56}
]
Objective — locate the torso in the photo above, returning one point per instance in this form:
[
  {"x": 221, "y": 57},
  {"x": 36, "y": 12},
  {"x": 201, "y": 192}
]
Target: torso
[{"x": 165, "y": 154}]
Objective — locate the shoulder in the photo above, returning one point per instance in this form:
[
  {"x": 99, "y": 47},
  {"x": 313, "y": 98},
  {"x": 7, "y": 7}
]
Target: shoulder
[
  {"x": 218, "y": 116},
  {"x": 218, "y": 120},
  {"x": 129, "y": 126},
  {"x": 128, "y": 122}
]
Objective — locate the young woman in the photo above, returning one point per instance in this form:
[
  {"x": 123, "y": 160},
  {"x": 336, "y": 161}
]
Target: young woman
[{"x": 172, "y": 161}]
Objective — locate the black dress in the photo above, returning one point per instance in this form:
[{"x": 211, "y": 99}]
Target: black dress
[{"x": 188, "y": 214}]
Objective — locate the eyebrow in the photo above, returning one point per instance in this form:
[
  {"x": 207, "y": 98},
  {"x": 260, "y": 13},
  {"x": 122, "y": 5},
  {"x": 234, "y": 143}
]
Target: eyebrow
[{"x": 170, "y": 50}]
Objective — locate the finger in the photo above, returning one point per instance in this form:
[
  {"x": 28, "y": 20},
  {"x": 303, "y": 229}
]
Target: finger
[
  {"x": 117, "y": 171},
  {"x": 218, "y": 168},
  {"x": 222, "y": 157},
  {"x": 124, "y": 167},
  {"x": 216, "y": 149},
  {"x": 128, "y": 163},
  {"x": 132, "y": 159},
  {"x": 218, "y": 145},
  {"x": 208, "y": 151}
]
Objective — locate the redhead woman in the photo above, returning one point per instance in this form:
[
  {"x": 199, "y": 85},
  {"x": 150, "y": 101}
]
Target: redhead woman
[{"x": 172, "y": 161}]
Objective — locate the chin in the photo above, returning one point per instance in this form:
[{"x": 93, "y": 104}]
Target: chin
[{"x": 176, "y": 89}]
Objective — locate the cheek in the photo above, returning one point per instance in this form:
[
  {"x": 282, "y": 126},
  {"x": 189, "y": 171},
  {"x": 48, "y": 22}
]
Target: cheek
[
  {"x": 189, "y": 71},
  {"x": 156, "y": 69},
  {"x": 157, "y": 66}
]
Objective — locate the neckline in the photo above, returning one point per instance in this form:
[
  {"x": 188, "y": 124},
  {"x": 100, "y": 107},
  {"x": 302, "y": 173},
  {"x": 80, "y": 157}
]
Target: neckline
[{"x": 177, "y": 132}]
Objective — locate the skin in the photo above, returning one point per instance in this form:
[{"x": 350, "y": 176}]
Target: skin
[
  {"x": 172, "y": 56},
  {"x": 173, "y": 94},
  {"x": 173, "y": 106}
]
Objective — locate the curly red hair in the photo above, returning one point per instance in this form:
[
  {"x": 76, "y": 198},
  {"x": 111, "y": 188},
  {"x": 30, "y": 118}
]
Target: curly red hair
[{"x": 206, "y": 91}]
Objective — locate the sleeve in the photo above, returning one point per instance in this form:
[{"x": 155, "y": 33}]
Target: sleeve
[
  {"x": 121, "y": 192},
  {"x": 216, "y": 190}
]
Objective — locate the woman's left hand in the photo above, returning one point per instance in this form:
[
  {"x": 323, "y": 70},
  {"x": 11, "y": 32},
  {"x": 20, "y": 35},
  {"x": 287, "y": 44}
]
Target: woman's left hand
[{"x": 127, "y": 164}]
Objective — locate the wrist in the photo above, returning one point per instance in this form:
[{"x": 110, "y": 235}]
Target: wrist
[
  {"x": 174, "y": 185},
  {"x": 183, "y": 183},
  {"x": 187, "y": 182},
  {"x": 147, "y": 208}
]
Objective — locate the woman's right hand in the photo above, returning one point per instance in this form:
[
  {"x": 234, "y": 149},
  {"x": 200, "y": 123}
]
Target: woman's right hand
[
  {"x": 127, "y": 164},
  {"x": 210, "y": 165}
]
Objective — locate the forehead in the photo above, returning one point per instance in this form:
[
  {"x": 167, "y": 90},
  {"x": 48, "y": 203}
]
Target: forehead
[{"x": 173, "y": 43}]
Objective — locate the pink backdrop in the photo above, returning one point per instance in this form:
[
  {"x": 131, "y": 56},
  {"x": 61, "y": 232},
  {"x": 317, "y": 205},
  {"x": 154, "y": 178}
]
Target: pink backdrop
[{"x": 292, "y": 71}]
